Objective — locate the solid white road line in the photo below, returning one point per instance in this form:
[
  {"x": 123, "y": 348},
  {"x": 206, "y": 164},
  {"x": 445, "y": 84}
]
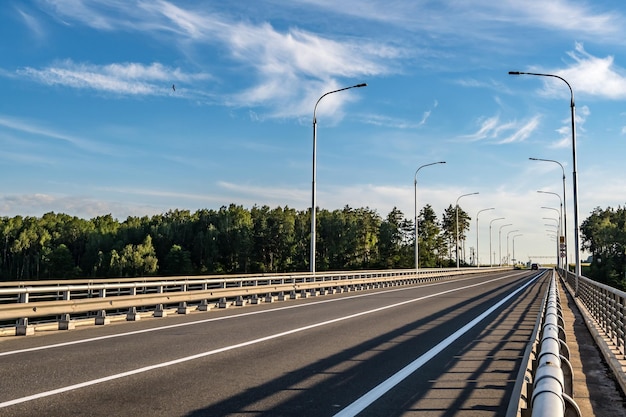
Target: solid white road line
[
  {"x": 228, "y": 348},
  {"x": 384, "y": 387}
]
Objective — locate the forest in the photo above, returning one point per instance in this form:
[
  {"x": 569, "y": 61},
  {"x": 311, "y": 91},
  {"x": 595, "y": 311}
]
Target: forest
[
  {"x": 232, "y": 239},
  {"x": 604, "y": 235}
]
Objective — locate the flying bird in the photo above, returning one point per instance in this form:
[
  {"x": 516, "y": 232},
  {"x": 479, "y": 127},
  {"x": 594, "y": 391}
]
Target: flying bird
[{"x": 173, "y": 87}]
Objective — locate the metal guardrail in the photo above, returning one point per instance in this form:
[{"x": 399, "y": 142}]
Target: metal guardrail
[
  {"x": 57, "y": 301},
  {"x": 604, "y": 309},
  {"x": 544, "y": 386}
]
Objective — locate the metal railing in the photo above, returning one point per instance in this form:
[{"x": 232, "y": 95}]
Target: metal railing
[
  {"x": 604, "y": 309},
  {"x": 55, "y": 301},
  {"x": 544, "y": 386}
]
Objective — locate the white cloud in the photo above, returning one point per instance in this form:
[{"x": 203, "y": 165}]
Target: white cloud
[
  {"x": 33, "y": 24},
  {"x": 119, "y": 79},
  {"x": 522, "y": 133},
  {"x": 513, "y": 131},
  {"x": 32, "y": 127},
  {"x": 587, "y": 75}
]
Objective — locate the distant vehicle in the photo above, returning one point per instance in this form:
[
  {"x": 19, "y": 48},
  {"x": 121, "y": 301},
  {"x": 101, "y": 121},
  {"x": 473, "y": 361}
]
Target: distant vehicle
[{"x": 534, "y": 266}]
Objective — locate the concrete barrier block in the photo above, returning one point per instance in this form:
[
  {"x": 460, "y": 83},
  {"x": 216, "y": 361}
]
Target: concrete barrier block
[
  {"x": 182, "y": 308},
  {"x": 132, "y": 314},
  {"x": 22, "y": 328},
  {"x": 159, "y": 311},
  {"x": 65, "y": 323},
  {"x": 102, "y": 319},
  {"x": 204, "y": 305}
]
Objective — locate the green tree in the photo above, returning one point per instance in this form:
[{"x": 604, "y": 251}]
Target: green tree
[
  {"x": 604, "y": 235},
  {"x": 61, "y": 263},
  {"x": 178, "y": 261},
  {"x": 449, "y": 227},
  {"x": 431, "y": 241},
  {"x": 394, "y": 246}
]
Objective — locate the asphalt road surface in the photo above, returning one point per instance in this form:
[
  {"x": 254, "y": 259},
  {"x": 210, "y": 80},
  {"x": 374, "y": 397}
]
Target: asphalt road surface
[{"x": 450, "y": 348}]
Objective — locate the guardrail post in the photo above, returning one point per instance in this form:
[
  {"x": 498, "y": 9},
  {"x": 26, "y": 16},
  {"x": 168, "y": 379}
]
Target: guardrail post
[
  {"x": 159, "y": 311},
  {"x": 65, "y": 322},
  {"x": 102, "y": 319},
  {"x": 132, "y": 314},
  {"x": 182, "y": 308},
  {"x": 204, "y": 305},
  {"x": 22, "y": 328},
  {"x": 222, "y": 303}
]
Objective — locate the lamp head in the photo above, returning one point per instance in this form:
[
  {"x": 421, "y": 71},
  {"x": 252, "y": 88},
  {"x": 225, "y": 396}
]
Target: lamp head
[
  {"x": 360, "y": 85},
  {"x": 515, "y": 73}
]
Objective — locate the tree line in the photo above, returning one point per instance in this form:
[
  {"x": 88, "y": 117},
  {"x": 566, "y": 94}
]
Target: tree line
[
  {"x": 232, "y": 239},
  {"x": 604, "y": 235}
]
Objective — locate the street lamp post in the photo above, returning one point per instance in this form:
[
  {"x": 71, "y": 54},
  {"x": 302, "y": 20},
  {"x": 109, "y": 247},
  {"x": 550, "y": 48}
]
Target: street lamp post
[
  {"x": 564, "y": 229},
  {"x": 507, "y": 245},
  {"x": 557, "y": 226},
  {"x": 416, "y": 223},
  {"x": 513, "y": 239},
  {"x": 558, "y": 259},
  {"x": 480, "y": 211},
  {"x": 313, "y": 196},
  {"x": 557, "y": 239},
  {"x": 490, "y": 252},
  {"x": 457, "y": 226},
  {"x": 574, "y": 169},
  {"x": 500, "y": 240}
]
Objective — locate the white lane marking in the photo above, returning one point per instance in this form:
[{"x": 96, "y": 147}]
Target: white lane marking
[
  {"x": 223, "y": 349},
  {"x": 251, "y": 313},
  {"x": 385, "y": 386}
]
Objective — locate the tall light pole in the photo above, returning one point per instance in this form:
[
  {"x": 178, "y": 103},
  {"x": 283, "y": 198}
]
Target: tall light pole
[
  {"x": 490, "y": 252},
  {"x": 557, "y": 243},
  {"x": 558, "y": 259},
  {"x": 574, "y": 168},
  {"x": 416, "y": 223},
  {"x": 513, "y": 239},
  {"x": 507, "y": 245},
  {"x": 313, "y": 196},
  {"x": 557, "y": 232},
  {"x": 553, "y": 209},
  {"x": 564, "y": 205},
  {"x": 457, "y": 225},
  {"x": 479, "y": 211},
  {"x": 500, "y": 240}
]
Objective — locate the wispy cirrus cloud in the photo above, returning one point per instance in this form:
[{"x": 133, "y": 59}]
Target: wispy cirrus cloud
[
  {"x": 565, "y": 131},
  {"x": 119, "y": 79},
  {"x": 289, "y": 69},
  {"x": 33, "y": 128},
  {"x": 496, "y": 131}
]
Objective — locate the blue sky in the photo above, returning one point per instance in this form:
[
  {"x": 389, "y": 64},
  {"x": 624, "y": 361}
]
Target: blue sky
[{"x": 90, "y": 123}]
